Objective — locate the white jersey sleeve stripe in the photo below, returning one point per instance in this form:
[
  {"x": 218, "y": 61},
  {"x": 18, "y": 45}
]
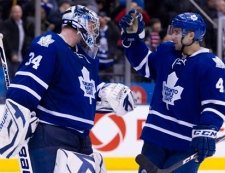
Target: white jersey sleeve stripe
[
  {"x": 171, "y": 118},
  {"x": 147, "y": 71},
  {"x": 216, "y": 112},
  {"x": 218, "y": 102},
  {"x": 41, "y": 82},
  {"x": 143, "y": 62},
  {"x": 65, "y": 115},
  {"x": 32, "y": 92},
  {"x": 177, "y": 135}
]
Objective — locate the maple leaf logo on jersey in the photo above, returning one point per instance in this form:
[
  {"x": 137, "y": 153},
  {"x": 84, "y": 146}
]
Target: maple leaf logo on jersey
[
  {"x": 87, "y": 85},
  {"x": 219, "y": 62},
  {"x": 46, "y": 40},
  {"x": 171, "y": 92}
]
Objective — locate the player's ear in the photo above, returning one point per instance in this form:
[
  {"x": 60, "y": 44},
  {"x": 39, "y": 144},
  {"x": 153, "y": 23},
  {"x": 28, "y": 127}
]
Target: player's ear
[{"x": 191, "y": 35}]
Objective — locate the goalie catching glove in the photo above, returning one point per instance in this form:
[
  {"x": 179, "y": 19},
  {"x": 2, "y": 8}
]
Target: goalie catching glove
[
  {"x": 132, "y": 25},
  {"x": 17, "y": 125},
  {"x": 117, "y": 97}
]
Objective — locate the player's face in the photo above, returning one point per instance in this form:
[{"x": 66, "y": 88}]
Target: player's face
[{"x": 176, "y": 35}]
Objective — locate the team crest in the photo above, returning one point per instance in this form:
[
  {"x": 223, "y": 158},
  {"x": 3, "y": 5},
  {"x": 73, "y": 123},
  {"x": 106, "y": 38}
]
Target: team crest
[
  {"x": 194, "y": 17},
  {"x": 46, "y": 40},
  {"x": 87, "y": 85},
  {"x": 171, "y": 92},
  {"x": 219, "y": 62}
]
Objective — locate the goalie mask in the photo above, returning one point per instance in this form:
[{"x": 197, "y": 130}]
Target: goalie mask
[{"x": 86, "y": 22}]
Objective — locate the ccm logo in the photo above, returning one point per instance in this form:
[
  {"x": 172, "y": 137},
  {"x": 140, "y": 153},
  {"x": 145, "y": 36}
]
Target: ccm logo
[
  {"x": 24, "y": 162},
  {"x": 209, "y": 133}
]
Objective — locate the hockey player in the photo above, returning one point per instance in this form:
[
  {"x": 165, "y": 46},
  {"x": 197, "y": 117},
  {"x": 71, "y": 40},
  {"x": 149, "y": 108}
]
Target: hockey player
[
  {"x": 188, "y": 104},
  {"x": 58, "y": 80}
]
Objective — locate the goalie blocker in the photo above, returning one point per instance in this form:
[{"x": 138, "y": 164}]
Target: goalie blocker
[{"x": 17, "y": 125}]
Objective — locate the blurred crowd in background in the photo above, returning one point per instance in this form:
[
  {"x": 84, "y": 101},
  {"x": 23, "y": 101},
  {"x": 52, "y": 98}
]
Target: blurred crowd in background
[{"x": 18, "y": 27}]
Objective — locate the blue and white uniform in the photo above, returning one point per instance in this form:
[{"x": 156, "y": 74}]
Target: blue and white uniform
[
  {"x": 188, "y": 103},
  {"x": 103, "y": 51},
  {"x": 53, "y": 80},
  {"x": 188, "y": 91},
  {"x": 61, "y": 86}
]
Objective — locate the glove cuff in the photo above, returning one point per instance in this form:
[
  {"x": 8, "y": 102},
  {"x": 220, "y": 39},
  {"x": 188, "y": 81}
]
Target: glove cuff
[
  {"x": 142, "y": 35},
  {"x": 204, "y": 131},
  {"x": 133, "y": 37}
]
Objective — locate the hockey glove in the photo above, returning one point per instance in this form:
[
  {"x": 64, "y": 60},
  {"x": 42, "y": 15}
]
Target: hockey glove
[
  {"x": 17, "y": 125},
  {"x": 119, "y": 97},
  {"x": 132, "y": 25},
  {"x": 203, "y": 140}
]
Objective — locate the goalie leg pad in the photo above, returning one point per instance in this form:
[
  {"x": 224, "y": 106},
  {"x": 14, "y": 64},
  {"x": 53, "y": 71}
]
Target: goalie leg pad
[
  {"x": 72, "y": 162},
  {"x": 17, "y": 125}
]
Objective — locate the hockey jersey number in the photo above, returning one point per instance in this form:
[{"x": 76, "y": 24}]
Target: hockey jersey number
[
  {"x": 34, "y": 60},
  {"x": 219, "y": 85}
]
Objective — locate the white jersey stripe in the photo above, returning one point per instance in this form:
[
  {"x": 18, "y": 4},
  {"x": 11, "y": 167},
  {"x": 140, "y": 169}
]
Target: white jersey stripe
[
  {"x": 106, "y": 60},
  {"x": 32, "y": 92},
  {"x": 177, "y": 135},
  {"x": 65, "y": 115},
  {"x": 171, "y": 118},
  {"x": 147, "y": 69},
  {"x": 218, "y": 102},
  {"x": 143, "y": 62},
  {"x": 38, "y": 80},
  {"x": 216, "y": 112}
]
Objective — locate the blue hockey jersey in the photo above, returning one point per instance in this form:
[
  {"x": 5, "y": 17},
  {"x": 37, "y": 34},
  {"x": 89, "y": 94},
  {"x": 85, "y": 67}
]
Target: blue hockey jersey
[
  {"x": 60, "y": 85},
  {"x": 188, "y": 91}
]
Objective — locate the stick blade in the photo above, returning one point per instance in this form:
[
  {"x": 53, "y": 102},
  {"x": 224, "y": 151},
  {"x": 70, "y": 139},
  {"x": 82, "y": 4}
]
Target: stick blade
[{"x": 146, "y": 164}]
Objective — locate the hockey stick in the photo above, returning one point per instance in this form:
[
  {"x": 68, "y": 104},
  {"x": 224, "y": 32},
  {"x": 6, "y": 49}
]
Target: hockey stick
[
  {"x": 4, "y": 62},
  {"x": 24, "y": 157},
  {"x": 145, "y": 163}
]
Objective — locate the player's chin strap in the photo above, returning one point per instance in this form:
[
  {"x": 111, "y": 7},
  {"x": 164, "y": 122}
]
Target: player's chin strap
[
  {"x": 73, "y": 162},
  {"x": 183, "y": 45}
]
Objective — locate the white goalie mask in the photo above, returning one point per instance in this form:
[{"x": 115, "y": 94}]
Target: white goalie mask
[{"x": 86, "y": 22}]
